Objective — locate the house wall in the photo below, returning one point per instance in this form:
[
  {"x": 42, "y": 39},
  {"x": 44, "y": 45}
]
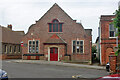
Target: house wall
[
  {"x": 12, "y": 54},
  {"x": 0, "y": 48},
  {"x": 0, "y": 40},
  {"x": 107, "y": 43}
]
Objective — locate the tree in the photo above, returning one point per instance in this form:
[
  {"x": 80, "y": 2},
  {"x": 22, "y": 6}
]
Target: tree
[
  {"x": 94, "y": 50},
  {"x": 116, "y": 23}
]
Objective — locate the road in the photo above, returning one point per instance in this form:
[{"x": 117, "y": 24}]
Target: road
[{"x": 28, "y": 70}]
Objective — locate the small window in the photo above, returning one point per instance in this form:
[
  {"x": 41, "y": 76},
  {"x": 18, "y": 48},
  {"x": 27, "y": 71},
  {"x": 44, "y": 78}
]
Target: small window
[
  {"x": 77, "y": 42},
  {"x": 5, "y": 49},
  {"x": 10, "y": 49},
  {"x": 81, "y": 46},
  {"x": 112, "y": 30},
  {"x": 73, "y": 49},
  {"x": 50, "y": 27},
  {"x": 60, "y": 27},
  {"x": 78, "y": 46},
  {"x": 37, "y": 44},
  {"x": 30, "y": 46},
  {"x": 14, "y": 48},
  {"x": 33, "y": 46}
]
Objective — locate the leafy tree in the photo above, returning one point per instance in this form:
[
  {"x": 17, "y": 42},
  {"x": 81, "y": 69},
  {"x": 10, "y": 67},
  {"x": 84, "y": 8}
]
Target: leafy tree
[
  {"x": 116, "y": 22},
  {"x": 94, "y": 50}
]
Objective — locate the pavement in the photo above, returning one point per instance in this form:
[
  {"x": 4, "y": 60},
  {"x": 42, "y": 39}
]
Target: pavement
[{"x": 59, "y": 63}]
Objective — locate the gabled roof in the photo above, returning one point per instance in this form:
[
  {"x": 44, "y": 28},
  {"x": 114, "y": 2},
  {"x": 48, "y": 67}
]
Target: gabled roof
[
  {"x": 55, "y": 39},
  {"x": 55, "y": 6},
  {"x": 10, "y": 36}
]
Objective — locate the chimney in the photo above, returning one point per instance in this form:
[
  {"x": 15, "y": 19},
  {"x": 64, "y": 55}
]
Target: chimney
[
  {"x": 36, "y": 21},
  {"x": 74, "y": 20},
  {"x": 9, "y": 26}
]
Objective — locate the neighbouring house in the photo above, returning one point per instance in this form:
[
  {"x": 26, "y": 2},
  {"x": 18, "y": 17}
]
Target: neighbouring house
[
  {"x": 56, "y": 37},
  {"x": 10, "y": 43},
  {"x": 107, "y": 38},
  {"x": 98, "y": 48}
]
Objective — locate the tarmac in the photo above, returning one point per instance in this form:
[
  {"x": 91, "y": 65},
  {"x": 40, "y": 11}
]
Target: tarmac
[{"x": 59, "y": 64}]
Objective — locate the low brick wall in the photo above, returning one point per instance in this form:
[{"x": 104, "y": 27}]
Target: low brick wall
[
  {"x": 42, "y": 58},
  {"x": 33, "y": 57},
  {"x": 67, "y": 58},
  {"x": 10, "y": 56}
]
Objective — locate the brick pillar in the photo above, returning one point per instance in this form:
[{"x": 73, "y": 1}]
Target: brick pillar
[
  {"x": 113, "y": 62},
  {"x": 118, "y": 63}
]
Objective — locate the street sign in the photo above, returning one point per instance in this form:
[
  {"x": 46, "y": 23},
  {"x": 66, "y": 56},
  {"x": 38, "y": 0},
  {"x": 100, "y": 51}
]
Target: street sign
[{"x": 22, "y": 44}]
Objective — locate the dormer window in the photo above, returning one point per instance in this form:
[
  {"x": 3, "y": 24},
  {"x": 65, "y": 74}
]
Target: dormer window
[{"x": 55, "y": 26}]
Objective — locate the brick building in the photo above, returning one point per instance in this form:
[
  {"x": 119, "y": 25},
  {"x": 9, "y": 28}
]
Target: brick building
[
  {"x": 107, "y": 38},
  {"x": 10, "y": 43},
  {"x": 56, "y": 36}
]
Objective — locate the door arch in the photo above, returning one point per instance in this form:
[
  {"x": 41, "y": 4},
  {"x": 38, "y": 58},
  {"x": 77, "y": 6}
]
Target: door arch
[
  {"x": 108, "y": 51},
  {"x": 53, "y": 54}
]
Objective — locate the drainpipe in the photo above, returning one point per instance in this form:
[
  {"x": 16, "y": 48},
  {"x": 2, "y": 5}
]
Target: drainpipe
[
  {"x": 117, "y": 39},
  {"x": 100, "y": 43}
]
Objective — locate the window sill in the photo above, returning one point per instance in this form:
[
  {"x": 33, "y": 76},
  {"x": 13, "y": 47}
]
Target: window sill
[
  {"x": 112, "y": 37},
  {"x": 55, "y": 32},
  {"x": 77, "y": 53}
]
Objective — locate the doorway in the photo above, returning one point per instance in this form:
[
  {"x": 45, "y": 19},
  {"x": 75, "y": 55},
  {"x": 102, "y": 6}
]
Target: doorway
[{"x": 53, "y": 54}]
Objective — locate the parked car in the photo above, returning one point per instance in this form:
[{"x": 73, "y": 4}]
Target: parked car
[
  {"x": 3, "y": 75},
  {"x": 110, "y": 77}
]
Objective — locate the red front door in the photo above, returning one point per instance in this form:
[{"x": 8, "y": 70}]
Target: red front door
[{"x": 53, "y": 54}]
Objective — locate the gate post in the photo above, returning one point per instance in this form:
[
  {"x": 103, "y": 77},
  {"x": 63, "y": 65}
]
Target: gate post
[
  {"x": 113, "y": 62},
  {"x": 118, "y": 63}
]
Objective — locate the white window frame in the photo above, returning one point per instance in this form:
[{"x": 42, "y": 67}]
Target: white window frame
[
  {"x": 35, "y": 45},
  {"x": 15, "y": 49},
  {"x": 10, "y": 49},
  {"x": 5, "y": 49},
  {"x": 76, "y": 45},
  {"x": 111, "y": 30}
]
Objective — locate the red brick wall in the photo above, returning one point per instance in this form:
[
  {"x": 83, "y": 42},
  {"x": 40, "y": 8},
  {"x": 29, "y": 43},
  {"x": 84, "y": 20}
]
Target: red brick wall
[
  {"x": 113, "y": 61},
  {"x": 16, "y": 56},
  {"x": 71, "y": 31},
  {"x": 107, "y": 44}
]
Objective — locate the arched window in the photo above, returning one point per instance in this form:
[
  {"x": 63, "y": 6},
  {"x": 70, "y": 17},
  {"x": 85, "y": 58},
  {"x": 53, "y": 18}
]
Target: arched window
[{"x": 55, "y": 26}]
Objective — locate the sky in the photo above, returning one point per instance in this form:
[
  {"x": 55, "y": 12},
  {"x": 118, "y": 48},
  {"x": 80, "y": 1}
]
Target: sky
[{"x": 23, "y": 13}]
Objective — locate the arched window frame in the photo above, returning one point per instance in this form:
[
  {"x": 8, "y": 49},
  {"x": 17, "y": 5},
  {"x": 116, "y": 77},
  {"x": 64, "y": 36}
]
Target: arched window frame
[{"x": 55, "y": 26}]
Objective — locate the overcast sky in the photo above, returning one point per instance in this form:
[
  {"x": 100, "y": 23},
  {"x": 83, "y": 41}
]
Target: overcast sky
[{"x": 23, "y": 13}]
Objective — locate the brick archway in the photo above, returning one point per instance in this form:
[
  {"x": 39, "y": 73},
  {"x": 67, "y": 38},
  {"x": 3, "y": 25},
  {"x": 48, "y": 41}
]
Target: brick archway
[
  {"x": 108, "y": 51},
  {"x": 108, "y": 46}
]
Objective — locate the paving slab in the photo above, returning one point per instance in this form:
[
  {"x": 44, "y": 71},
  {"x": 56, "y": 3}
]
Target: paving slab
[{"x": 59, "y": 63}]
